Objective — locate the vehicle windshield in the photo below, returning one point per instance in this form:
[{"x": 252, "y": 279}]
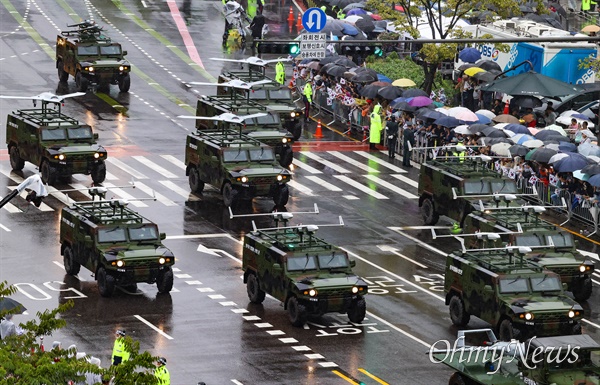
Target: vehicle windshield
[
  {"x": 514, "y": 285},
  {"x": 258, "y": 94},
  {"x": 586, "y": 358},
  {"x": 261, "y": 154},
  {"x": 302, "y": 263},
  {"x": 235, "y": 155},
  {"x": 110, "y": 50},
  {"x": 528, "y": 239},
  {"x": 143, "y": 233},
  {"x": 54, "y": 134},
  {"x": 89, "y": 50},
  {"x": 562, "y": 239},
  {"x": 333, "y": 261},
  {"x": 283, "y": 94},
  {"x": 112, "y": 234},
  {"x": 79, "y": 133},
  {"x": 546, "y": 283},
  {"x": 504, "y": 186},
  {"x": 267, "y": 120},
  {"x": 477, "y": 187}
]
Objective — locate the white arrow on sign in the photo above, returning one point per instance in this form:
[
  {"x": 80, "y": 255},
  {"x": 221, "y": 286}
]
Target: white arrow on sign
[
  {"x": 310, "y": 21},
  {"x": 395, "y": 251}
]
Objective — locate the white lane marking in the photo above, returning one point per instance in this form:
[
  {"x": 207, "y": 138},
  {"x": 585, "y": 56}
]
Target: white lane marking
[
  {"x": 393, "y": 250},
  {"x": 153, "y": 166},
  {"x": 414, "y": 338},
  {"x": 360, "y": 187},
  {"x": 144, "y": 4},
  {"x": 398, "y": 230},
  {"x": 176, "y": 189},
  {"x": 392, "y": 187},
  {"x": 353, "y": 162},
  {"x": 43, "y": 206},
  {"x": 174, "y": 160},
  {"x": 153, "y": 327},
  {"x": 159, "y": 197},
  {"x": 236, "y": 382},
  {"x": 303, "y": 189},
  {"x": 82, "y": 189},
  {"x": 406, "y": 180},
  {"x": 126, "y": 168},
  {"x": 380, "y": 161},
  {"x": 306, "y": 167},
  {"x": 325, "y": 162},
  {"x": 4, "y": 228},
  {"x": 323, "y": 183},
  {"x": 589, "y": 254},
  {"x": 193, "y": 236},
  {"x": 124, "y": 195}
]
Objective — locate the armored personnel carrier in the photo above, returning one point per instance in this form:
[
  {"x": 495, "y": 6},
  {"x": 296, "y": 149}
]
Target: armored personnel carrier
[
  {"x": 115, "y": 243},
  {"x": 519, "y": 299},
  {"x": 91, "y": 58},
  {"x": 307, "y": 274}
]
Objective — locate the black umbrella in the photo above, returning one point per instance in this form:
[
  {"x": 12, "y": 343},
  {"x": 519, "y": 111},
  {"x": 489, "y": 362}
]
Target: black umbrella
[
  {"x": 326, "y": 68},
  {"x": 337, "y": 71},
  {"x": 365, "y": 24},
  {"x": 9, "y": 305},
  {"x": 526, "y": 101},
  {"x": 542, "y": 155},
  {"x": 478, "y": 127},
  {"x": 369, "y": 91},
  {"x": 490, "y": 132},
  {"x": 487, "y": 65},
  {"x": 390, "y": 92},
  {"x": 330, "y": 59},
  {"x": 571, "y": 163},
  {"x": 531, "y": 83},
  {"x": 465, "y": 66},
  {"x": 403, "y": 106},
  {"x": 547, "y": 135},
  {"x": 341, "y": 3},
  {"x": 365, "y": 69},
  {"x": 413, "y": 92},
  {"x": 427, "y": 113},
  {"x": 485, "y": 76},
  {"x": 353, "y": 6},
  {"x": 447, "y": 121},
  {"x": 364, "y": 77},
  {"x": 591, "y": 169},
  {"x": 518, "y": 150},
  {"x": 490, "y": 141},
  {"x": 344, "y": 61}
]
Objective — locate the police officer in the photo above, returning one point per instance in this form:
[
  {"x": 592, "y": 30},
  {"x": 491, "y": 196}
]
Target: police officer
[
  {"x": 391, "y": 128},
  {"x": 375, "y": 128},
  {"x": 307, "y": 98},
  {"x": 280, "y": 73},
  {"x": 459, "y": 151},
  {"x": 120, "y": 352},
  {"x": 161, "y": 372},
  {"x": 408, "y": 137}
]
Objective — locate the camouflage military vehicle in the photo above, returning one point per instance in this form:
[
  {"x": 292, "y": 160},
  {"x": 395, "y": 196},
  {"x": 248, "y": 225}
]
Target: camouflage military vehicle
[
  {"x": 92, "y": 58},
  {"x": 267, "y": 129},
  {"x": 309, "y": 275},
  {"x": 239, "y": 166},
  {"x": 275, "y": 97},
  {"x": 59, "y": 145},
  {"x": 119, "y": 246},
  {"x": 441, "y": 180},
  {"x": 552, "y": 248},
  {"x": 561, "y": 360},
  {"x": 518, "y": 299}
]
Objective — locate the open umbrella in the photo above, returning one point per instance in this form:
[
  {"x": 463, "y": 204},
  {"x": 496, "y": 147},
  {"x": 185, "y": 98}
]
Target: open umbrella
[
  {"x": 556, "y": 128},
  {"x": 533, "y": 143},
  {"x": 343, "y": 61},
  {"x": 588, "y": 149},
  {"x": 501, "y": 149},
  {"x": 420, "y": 101},
  {"x": 314, "y": 65},
  {"x": 505, "y": 118},
  {"x": 463, "y": 67},
  {"x": 492, "y": 132},
  {"x": 540, "y": 154},
  {"x": 488, "y": 65},
  {"x": 381, "y": 83},
  {"x": 473, "y": 70},
  {"x": 9, "y": 304},
  {"x": 403, "y": 82},
  {"x": 426, "y": 113},
  {"x": 383, "y": 78},
  {"x": 485, "y": 76},
  {"x": 341, "y": 3},
  {"x": 353, "y": 6},
  {"x": 349, "y": 29},
  {"x": 364, "y": 77},
  {"x": 447, "y": 121},
  {"x": 487, "y": 113},
  {"x": 520, "y": 138},
  {"x": 356, "y": 12},
  {"x": 572, "y": 162},
  {"x": 531, "y": 83},
  {"x": 547, "y": 135},
  {"x": 369, "y": 91},
  {"x": 403, "y": 106},
  {"x": 462, "y": 129},
  {"x": 469, "y": 55},
  {"x": 390, "y": 92},
  {"x": 463, "y": 113},
  {"x": 591, "y": 169},
  {"x": 482, "y": 119},
  {"x": 558, "y": 157},
  {"x": 594, "y": 180},
  {"x": 518, "y": 150},
  {"x": 365, "y": 23},
  {"x": 413, "y": 92},
  {"x": 567, "y": 147},
  {"x": 526, "y": 101}
]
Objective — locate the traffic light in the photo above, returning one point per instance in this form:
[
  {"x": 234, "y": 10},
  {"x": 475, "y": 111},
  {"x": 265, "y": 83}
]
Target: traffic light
[
  {"x": 279, "y": 48},
  {"x": 362, "y": 51}
]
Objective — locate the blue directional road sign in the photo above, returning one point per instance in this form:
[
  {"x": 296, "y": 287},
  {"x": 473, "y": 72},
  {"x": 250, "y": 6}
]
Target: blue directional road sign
[{"x": 314, "y": 20}]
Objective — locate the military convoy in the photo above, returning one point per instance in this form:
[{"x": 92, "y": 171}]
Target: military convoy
[
  {"x": 56, "y": 143},
  {"x": 308, "y": 275},
  {"x": 118, "y": 245},
  {"x": 91, "y": 58}
]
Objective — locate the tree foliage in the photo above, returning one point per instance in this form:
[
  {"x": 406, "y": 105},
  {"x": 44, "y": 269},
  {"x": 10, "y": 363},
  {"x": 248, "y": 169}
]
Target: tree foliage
[{"x": 24, "y": 362}]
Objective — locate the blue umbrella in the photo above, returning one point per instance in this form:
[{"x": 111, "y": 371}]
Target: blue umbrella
[
  {"x": 517, "y": 128},
  {"x": 571, "y": 163},
  {"x": 356, "y": 11},
  {"x": 383, "y": 78},
  {"x": 469, "y": 55},
  {"x": 567, "y": 147},
  {"x": 483, "y": 119},
  {"x": 580, "y": 116},
  {"x": 594, "y": 180},
  {"x": 350, "y": 30},
  {"x": 588, "y": 149},
  {"x": 447, "y": 121}
]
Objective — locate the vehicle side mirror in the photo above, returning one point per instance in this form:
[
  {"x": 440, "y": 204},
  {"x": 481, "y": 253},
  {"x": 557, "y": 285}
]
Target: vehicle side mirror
[
  {"x": 352, "y": 263},
  {"x": 277, "y": 268},
  {"x": 214, "y": 158},
  {"x": 163, "y": 236},
  {"x": 88, "y": 242},
  {"x": 124, "y": 53},
  {"x": 96, "y": 136},
  {"x": 488, "y": 289},
  {"x": 565, "y": 287}
]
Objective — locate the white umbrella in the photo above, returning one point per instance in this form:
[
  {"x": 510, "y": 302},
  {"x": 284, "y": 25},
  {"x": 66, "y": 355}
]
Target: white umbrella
[
  {"x": 588, "y": 133},
  {"x": 594, "y": 158},
  {"x": 552, "y": 146},
  {"x": 486, "y": 113},
  {"x": 500, "y": 125},
  {"x": 508, "y": 133},
  {"x": 557, "y": 128},
  {"x": 519, "y": 137},
  {"x": 566, "y": 120},
  {"x": 463, "y": 113},
  {"x": 462, "y": 129},
  {"x": 587, "y": 149},
  {"x": 557, "y": 157},
  {"x": 568, "y": 113},
  {"x": 535, "y": 143},
  {"x": 501, "y": 149},
  {"x": 442, "y": 110},
  {"x": 352, "y": 19}
]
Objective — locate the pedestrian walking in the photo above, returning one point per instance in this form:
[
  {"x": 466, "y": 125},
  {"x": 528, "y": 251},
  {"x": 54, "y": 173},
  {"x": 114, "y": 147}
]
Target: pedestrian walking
[
  {"x": 161, "y": 372},
  {"x": 391, "y": 128},
  {"x": 120, "y": 352},
  {"x": 256, "y": 26},
  {"x": 408, "y": 141},
  {"x": 375, "y": 128}
]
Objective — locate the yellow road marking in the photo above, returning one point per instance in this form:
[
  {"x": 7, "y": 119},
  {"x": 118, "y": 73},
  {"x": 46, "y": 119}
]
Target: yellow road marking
[
  {"x": 337, "y": 373},
  {"x": 363, "y": 371}
]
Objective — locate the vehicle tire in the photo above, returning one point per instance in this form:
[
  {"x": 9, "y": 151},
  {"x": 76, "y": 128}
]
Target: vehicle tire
[
  {"x": 228, "y": 194},
  {"x": 82, "y": 82},
  {"x": 297, "y": 131},
  {"x": 72, "y": 267},
  {"x": 106, "y": 283},
  {"x": 296, "y": 312},
  {"x": 48, "y": 173},
  {"x": 131, "y": 287},
  {"x": 430, "y": 216},
  {"x": 286, "y": 157},
  {"x": 456, "y": 379},
  {"x": 357, "y": 311},
  {"x": 458, "y": 314},
  {"x": 99, "y": 173},
  {"x": 506, "y": 331},
  {"x": 164, "y": 282},
  {"x": 576, "y": 329},
  {"x": 281, "y": 196},
  {"x": 582, "y": 289},
  {"x": 125, "y": 83},
  {"x": 255, "y": 293},
  {"x": 16, "y": 162},
  {"x": 63, "y": 75},
  {"x": 196, "y": 185}
]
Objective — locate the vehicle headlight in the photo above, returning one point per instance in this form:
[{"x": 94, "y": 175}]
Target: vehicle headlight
[
  {"x": 121, "y": 68},
  {"x": 61, "y": 157},
  {"x": 528, "y": 316},
  {"x": 280, "y": 177},
  {"x": 244, "y": 179},
  {"x": 120, "y": 263},
  {"x": 284, "y": 140},
  {"x": 89, "y": 69},
  {"x": 312, "y": 292},
  {"x": 161, "y": 260},
  {"x": 574, "y": 313},
  {"x": 97, "y": 155},
  {"x": 354, "y": 289},
  {"x": 583, "y": 268},
  {"x": 293, "y": 114}
]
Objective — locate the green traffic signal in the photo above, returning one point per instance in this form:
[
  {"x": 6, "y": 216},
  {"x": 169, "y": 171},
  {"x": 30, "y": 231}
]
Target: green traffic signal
[
  {"x": 378, "y": 51},
  {"x": 294, "y": 49}
]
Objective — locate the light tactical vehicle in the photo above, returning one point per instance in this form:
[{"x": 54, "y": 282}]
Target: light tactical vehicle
[
  {"x": 519, "y": 299},
  {"x": 239, "y": 166},
  {"x": 92, "y": 58},
  {"x": 115, "y": 243},
  {"x": 308, "y": 275},
  {"x": 560, "y": 360},
  {"x": 56, "y": 143}
]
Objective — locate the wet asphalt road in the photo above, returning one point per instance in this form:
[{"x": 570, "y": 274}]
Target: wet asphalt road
[{"x": 206, "y": 326}]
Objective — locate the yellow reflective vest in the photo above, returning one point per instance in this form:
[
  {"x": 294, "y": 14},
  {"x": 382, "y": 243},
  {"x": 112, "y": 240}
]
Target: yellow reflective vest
[
  {"x": 376, "y": 125},
  {"x": 163, "y": 376},
  {"x": 280, "y": 73},
  {"x": 119, "y": 350},
  {"x": 308, "y": 91}
]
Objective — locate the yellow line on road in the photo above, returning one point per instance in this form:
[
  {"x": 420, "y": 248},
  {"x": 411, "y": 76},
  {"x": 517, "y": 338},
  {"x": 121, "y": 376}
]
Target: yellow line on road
[
  {"x": 575, "y": 233},
  {"x": 363, "y": 371},
  {"x": 339, "y": 374}
]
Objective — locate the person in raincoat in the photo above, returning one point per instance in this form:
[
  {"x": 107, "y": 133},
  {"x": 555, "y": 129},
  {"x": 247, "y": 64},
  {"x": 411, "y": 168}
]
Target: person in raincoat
[
  {"x": 376, "y": 127},
  {"x": 280, "y": 73}
]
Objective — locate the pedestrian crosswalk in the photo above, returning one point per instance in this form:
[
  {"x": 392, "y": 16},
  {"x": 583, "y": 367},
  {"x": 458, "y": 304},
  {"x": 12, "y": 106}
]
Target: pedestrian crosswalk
[{"x": 349, "y": 175}]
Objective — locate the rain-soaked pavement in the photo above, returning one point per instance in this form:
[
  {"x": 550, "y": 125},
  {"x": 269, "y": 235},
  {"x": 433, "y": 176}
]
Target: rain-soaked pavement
[{"x": 206, "y": 327}]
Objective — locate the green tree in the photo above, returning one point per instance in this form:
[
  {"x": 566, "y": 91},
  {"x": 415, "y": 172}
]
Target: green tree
[
  {"x": 23, "y": 362},
  {"x": 441, "y": 17}
]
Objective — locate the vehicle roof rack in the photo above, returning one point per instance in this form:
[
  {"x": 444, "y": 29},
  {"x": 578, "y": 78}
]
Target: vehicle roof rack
[
  {"x": 297, "y": 238},
  {"x": 507, "y": 259},
  {"x": 112, "y": 211},
  {"x": 227, "y": 138},
  {"x": 87, "y": 31}
]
